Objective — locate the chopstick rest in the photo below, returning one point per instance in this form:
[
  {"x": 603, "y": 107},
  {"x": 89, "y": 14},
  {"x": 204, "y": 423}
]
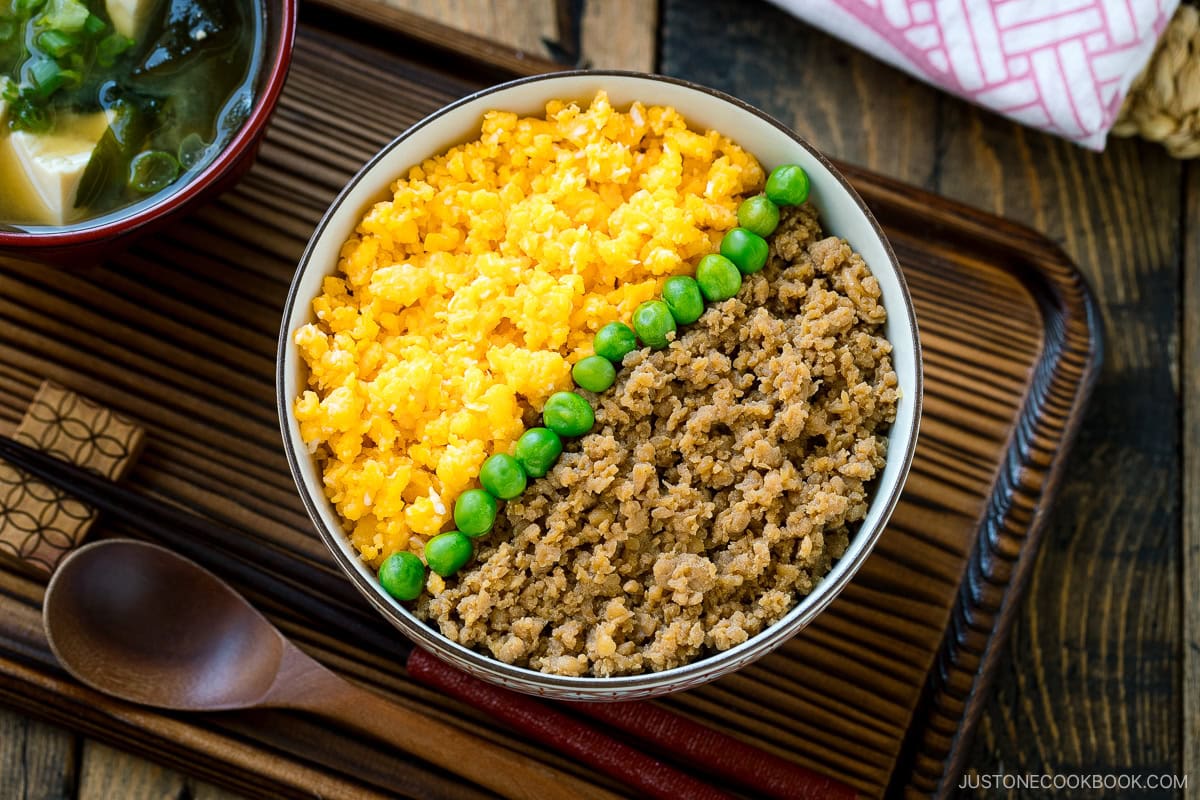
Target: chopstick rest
[{"x": 39, "y": 523}]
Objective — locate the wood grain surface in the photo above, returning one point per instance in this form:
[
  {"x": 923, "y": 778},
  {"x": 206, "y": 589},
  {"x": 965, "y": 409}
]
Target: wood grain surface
[
  {"x": 601, "y": 34},
  {"x": 1096, "y": 652},
  {"x": 110, "y": 773},
  {"x": 37, "y": 760},
  {"x": 1091, "y": 682},
  {"x": 1190, "y": 380}
]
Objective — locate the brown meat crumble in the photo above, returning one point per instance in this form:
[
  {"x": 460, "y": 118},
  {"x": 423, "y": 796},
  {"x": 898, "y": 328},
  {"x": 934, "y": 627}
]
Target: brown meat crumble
[{"x": 723, "y": 478}]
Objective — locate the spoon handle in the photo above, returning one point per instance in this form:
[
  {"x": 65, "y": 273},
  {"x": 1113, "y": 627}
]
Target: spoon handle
[{"x": 305, "y": 685}]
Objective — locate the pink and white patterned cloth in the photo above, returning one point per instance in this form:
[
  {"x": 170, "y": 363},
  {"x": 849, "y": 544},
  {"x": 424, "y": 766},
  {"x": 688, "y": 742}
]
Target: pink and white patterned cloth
[{"x": 1060, "y": 65}]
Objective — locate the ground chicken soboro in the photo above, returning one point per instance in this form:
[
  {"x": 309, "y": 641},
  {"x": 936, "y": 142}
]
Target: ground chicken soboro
[{"x": 723, "y": 478}]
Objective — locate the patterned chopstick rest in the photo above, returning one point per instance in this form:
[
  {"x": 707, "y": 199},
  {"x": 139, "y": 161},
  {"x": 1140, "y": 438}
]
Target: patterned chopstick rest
[{"x": 38, "y": 523}]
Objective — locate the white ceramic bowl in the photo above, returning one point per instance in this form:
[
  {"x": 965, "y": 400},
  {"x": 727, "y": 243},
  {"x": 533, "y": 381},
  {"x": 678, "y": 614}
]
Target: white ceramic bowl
[{"x": 842, "y": 213}]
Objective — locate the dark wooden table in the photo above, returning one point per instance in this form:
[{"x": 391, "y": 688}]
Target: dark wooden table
[{"x": 1100, "y": 662}]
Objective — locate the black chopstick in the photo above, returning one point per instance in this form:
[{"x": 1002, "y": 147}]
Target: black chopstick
[
  {"x": 141, "y": 509},
  {"x": 306, "y": 590}
]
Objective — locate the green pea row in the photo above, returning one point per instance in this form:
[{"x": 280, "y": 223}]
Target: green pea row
[
  {"x": 503, "y": 477},
  {"x": 743, "y": 251}
]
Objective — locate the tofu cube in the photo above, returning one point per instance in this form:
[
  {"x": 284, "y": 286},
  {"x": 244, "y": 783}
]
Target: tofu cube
[
  {"x": 130, "y": 17},
  {"x": 54, "y": 163},
  {"x": 3, "y": 106}
]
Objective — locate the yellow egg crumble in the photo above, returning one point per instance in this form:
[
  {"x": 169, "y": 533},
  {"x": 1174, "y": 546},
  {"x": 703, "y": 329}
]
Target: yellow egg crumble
[{"x": 466, "y": 298}]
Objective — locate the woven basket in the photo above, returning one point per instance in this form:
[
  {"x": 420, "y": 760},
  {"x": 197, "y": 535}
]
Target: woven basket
[{"x": 1164, "y": 103}]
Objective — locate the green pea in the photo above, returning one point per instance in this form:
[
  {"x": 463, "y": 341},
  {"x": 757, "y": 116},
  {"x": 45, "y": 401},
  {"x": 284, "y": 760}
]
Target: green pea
[
  {"x": 594, "y": 373},
  {"x": 758, "y": 215},
  {"x": 475, "y": 512},
  {"x": 787, "y": 185},
  {"x": 719, "y": 279},
  {"x": 537, "y": 450},
  {"x": 446, "y": 553},
  {"x": 682, "y": 296},
  {"x": 502, "y": 476},
  {"x": 746, "y": 249},
  {"x": 653, "y": 321},
  {"x": 402, "y": 575},
  {"x": 568, "y": 414},
  {"x": 614, "y": 341}
]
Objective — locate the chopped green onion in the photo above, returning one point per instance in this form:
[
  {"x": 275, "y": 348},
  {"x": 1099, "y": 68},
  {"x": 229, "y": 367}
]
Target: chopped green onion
[
  {"x": 94, "y": 26},
  {"x": 57, "y": 43},
  {"x": 65, "y": 15},
  {"x": 191, "y": 150},
  {"x": 46, "y": 76},
  {"x": 7, "y": 30},
  {"x": 27, "y": 7},
  {"x": 152, "y": 171},
  {"x": 110, "y": 47},
  {"x": 28, "y": 117}
]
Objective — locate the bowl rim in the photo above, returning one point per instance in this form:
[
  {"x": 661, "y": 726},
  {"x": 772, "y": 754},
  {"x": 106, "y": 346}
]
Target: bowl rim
[
  {"x": 591, "y": 688},
  {"x": 220, "y": 166}
]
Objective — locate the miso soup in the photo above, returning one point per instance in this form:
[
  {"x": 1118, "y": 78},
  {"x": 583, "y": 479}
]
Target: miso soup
[{"x": 109, "y": 103}]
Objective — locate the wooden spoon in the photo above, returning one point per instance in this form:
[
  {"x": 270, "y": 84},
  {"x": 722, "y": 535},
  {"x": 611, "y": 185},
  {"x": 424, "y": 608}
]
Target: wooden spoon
[{"x": 139, "y": 622}]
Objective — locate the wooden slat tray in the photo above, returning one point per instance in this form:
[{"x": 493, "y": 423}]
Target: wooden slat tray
[{"x": 179, "y": 334}]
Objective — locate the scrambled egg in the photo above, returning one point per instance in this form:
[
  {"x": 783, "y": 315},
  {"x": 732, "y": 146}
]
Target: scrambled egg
[{"x": 466, "y": 298}]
